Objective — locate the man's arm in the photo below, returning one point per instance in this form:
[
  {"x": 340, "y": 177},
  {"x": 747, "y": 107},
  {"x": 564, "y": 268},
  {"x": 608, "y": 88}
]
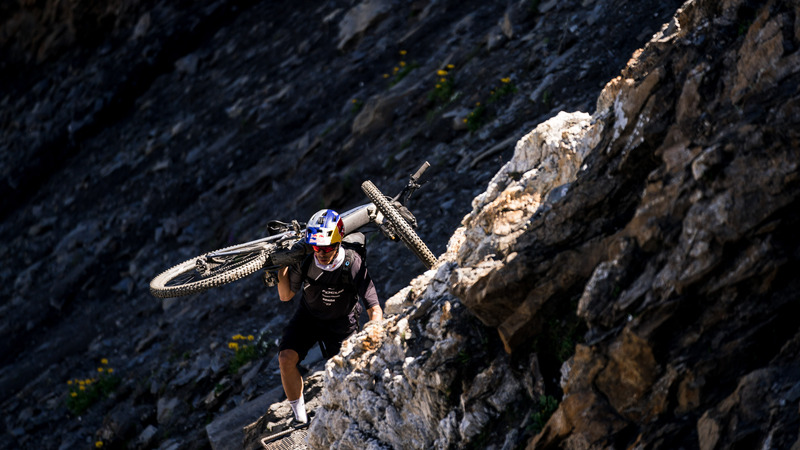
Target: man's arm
[
  {"x": 375, "y": 313},
  {"x": 366, "y": 290},
  {"x": 284, "y": 285}
]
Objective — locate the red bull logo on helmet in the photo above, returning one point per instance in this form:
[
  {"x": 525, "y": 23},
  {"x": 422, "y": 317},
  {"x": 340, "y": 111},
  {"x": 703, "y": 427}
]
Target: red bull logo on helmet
[{"x": 325, "y": 228}]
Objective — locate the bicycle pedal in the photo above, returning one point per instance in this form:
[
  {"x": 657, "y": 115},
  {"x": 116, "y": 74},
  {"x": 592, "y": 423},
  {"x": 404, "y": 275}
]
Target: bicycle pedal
[{"x": 270, "y": 279}]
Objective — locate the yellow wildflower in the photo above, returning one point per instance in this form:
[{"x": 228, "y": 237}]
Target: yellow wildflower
[
  {"x": 403, "y": 52},
  {"x": 250, "y": 337},
  {"x": 506, "y": 79},
  {"x": 110, "y": 370},
  {"x": 355, "y": 100},
  {"x": 73, "y": 394},
  {"x": 98, "y": 444},
  {"x": 69, "y": 382},
  {"x": 443, "y": 80},
  {"x": 81, "y": 382},
  {"x": 438, "y": 86},
  {"x": 100, "y": 369},
  {"x": 477, "y": 103},
  {"x": 233, "y": 345},
  {"x": 465, "y": 120},
  {"x": 441, "y": 73},
  {"x": 386, "y": 75},
  {"x": 82, "y": 387},
  {"x": 450, "y": 66},
  {"x": 104, "y": 361},
  {"x": 396, "y": 69}
]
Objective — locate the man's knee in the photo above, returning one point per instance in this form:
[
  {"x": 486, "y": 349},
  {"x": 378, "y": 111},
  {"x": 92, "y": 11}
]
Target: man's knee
[{"x": 288, "y": 358}]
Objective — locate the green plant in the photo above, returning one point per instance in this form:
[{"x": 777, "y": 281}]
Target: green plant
[
  {"x": 245, "y": 349},
  {"x": 547, "y": 406},
  {"x": 401, "y": 70},
  {"x": 445, "y": 85},
  {"x": 242, "y": 353},
  {"x": 506, "y": 88},
  {"x": 356, "y": 105},
  {"x": 563, "y": 335},
  {"x": 546, "y": 97},
  {"x": 562, "y": 332},
  {"x": 476, "y": 118},
  {"x": 84, "y": 392}
]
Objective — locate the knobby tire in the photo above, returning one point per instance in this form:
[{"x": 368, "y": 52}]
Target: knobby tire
[
  {"x": 183, "y": 279},
  {"x": 400, "y": 226}
]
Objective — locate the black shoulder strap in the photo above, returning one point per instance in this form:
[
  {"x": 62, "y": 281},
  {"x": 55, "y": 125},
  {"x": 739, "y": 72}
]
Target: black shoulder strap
[
  {"x": 347, "y": 268},
  {"x": 306, "y": 266}
]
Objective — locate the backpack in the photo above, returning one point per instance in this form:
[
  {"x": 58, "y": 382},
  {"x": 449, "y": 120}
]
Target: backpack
[{"x": 353, "y": 242}]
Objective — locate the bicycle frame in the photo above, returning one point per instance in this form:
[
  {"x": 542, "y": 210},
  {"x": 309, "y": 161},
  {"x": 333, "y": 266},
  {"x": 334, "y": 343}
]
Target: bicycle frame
[
  {"x": 287, "y": 247},
  {"x": 353, "y": 220}
]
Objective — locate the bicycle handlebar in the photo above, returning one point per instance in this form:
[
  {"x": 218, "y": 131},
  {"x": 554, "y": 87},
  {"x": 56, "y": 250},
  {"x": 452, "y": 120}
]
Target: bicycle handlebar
[
  {"x": 420, "y": 171},
  {"x": 412, "y": 185}
]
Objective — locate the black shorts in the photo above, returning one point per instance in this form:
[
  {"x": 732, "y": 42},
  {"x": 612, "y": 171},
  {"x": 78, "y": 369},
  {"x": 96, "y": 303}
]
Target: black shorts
[{"x": 305, "y": 330}]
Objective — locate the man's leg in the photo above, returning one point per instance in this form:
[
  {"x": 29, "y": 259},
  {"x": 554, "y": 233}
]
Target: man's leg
[
  {"x": 293, "y": 383},
  {"x": 290, "y": 374}
]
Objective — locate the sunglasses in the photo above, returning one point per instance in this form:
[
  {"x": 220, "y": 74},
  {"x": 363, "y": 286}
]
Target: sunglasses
[{"x": 326, "y": 249}]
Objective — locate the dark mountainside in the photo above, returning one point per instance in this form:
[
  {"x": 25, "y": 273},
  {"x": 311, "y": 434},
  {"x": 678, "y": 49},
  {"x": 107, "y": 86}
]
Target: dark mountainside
[{"x": 637, "y": 266}]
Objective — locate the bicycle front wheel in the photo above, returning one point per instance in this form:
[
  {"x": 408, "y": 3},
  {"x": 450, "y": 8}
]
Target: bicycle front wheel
[
  {"x": 207, "y": 271},
  {"x": 399, "y": 225}
]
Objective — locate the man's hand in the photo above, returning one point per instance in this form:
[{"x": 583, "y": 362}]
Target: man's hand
[{"x": 375, "y": 313}]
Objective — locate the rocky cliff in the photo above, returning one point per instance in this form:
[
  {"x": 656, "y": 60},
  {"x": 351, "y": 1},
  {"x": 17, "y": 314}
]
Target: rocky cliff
[
  {"x": 662, "y": 227},
  {"x": 623, "y": 275}
]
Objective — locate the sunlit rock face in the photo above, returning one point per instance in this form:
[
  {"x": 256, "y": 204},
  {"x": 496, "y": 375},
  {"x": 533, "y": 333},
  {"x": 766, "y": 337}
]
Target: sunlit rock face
[
  {"x": 664, "y": 223},
  {"x": 411, "y": 382}
]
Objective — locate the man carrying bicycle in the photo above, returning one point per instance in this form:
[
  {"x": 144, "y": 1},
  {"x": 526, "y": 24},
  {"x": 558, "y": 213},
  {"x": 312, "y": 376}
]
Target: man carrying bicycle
[{"x": 332, "y": 280}]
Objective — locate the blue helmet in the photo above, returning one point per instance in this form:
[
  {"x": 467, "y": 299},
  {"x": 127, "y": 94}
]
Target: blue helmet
[{"x": 324, "y": 228}]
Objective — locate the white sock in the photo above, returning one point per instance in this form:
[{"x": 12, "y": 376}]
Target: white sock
[{"x": 299, "y": 408}]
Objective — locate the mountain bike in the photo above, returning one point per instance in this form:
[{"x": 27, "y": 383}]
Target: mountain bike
[{"x": 284, "y": 245}]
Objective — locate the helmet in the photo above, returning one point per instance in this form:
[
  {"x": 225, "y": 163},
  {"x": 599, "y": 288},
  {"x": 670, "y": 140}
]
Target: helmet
[{"x": 325, "y": 228}]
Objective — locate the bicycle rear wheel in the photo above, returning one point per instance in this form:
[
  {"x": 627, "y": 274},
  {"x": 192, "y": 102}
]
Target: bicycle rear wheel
[
  {"x": 400, "y": 226},
  {"x": 206, "y": 271}
]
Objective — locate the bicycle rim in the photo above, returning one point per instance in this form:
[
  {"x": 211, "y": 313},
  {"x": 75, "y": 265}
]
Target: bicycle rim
[
  {"x": 206, "y": 271},
  {"x": 400, "y": 226}
]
